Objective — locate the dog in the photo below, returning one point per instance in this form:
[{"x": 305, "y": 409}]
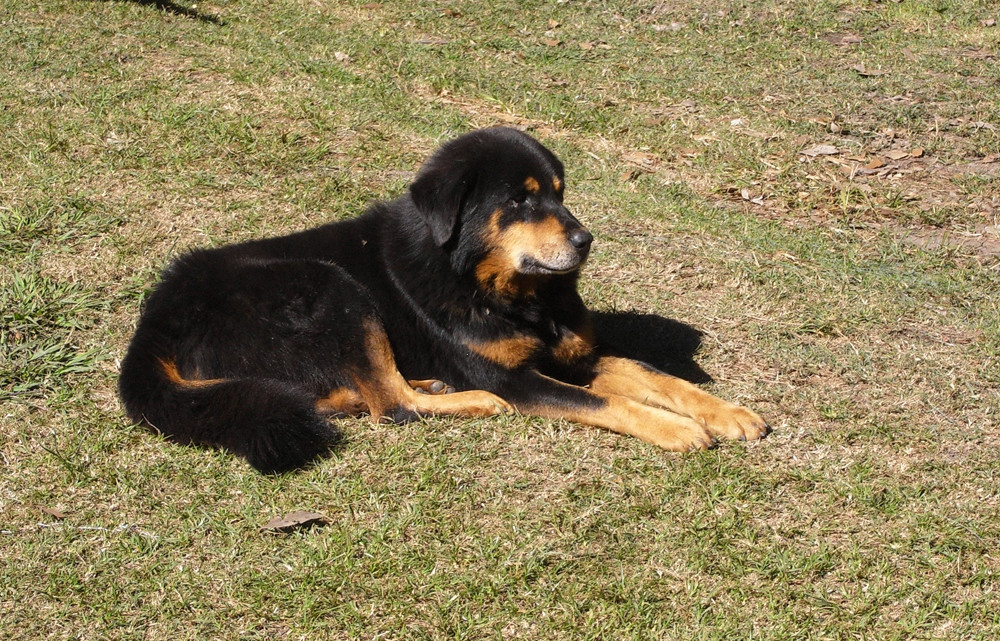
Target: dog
[{"x": 458, "y": 298}]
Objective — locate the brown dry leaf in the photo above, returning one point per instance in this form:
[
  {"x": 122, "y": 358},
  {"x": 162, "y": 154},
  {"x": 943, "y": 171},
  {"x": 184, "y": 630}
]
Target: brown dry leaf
[
  {"x": 991, "y": 158},
  {"x": 551, "y": 42},
  {"x": 917, "y": 153},
  {"x": 865, "y": 72},
  {"x": 59, "y": 515},
  {"x": 989, "y": 22},
  {"x": 745, "y": 195},
  {"x": 980, "y": 54},
  {"x": 821, "y": 150},
  {"x": 298, "y": 520},
  {"x": 875, "y": 163},
  {"x": 586, "y": 46},
  {"x": 553, "y": 24},
  {"x": 897, "y": 154},
  {"x": 842, "y": 39},
  {"x": 643, "y": 159}
]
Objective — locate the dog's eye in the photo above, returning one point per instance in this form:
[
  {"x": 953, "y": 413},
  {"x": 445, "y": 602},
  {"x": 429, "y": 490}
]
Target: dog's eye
[{"x": 519, "y": 199}]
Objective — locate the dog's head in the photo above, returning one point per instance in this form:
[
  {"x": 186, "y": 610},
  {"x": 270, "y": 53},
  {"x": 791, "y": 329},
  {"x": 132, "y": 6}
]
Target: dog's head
[{"x": 493, "y": 199}]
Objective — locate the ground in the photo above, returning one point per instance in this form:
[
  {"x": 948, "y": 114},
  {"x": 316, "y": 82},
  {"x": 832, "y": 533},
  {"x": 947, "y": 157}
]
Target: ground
[{"x": 802, "y": 196}]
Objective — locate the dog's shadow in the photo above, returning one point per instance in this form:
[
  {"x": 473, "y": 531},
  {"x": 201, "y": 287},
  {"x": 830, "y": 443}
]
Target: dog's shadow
[{"x": 664, "y": 343}]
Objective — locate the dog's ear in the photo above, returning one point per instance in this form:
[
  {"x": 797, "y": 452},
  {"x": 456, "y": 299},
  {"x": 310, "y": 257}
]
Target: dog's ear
[{"x": 439, "y": 192}]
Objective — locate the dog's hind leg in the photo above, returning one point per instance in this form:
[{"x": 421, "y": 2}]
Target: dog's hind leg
[
  {"x": 341, "y": 402},
  {"x": 431, "y": 386},
  {"x": 389, "y": 396}
]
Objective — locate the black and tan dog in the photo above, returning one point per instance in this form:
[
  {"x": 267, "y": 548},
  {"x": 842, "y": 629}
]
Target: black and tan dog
[{"x": 469, "y": 278}]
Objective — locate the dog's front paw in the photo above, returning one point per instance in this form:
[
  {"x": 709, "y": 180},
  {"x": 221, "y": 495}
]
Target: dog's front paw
[{"x": 735, "y": 422}]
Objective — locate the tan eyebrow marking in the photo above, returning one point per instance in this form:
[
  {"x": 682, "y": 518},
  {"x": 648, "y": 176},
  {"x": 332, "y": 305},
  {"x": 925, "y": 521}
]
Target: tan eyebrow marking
[
  {"x": 556, "y": 183},
  {"x": 531, "y": 185}
]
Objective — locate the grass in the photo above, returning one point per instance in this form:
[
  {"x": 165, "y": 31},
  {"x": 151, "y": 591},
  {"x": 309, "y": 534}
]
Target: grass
[{"x": 136, "y": 130}]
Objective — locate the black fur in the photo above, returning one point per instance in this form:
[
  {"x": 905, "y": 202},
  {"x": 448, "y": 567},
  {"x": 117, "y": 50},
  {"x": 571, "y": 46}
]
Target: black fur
[
  {"x": 280, "y": 319},
  {"x": 468, "y": 278}
]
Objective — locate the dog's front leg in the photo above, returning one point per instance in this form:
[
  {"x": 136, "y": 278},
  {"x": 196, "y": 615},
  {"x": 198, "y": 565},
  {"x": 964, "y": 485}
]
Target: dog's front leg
[
  {"x": 647, "y": 385},
  {"x": 539, "y": 395}
]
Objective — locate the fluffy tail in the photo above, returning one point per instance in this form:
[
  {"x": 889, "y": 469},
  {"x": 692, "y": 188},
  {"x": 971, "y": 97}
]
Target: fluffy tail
[{"x": 272, "y": 424}]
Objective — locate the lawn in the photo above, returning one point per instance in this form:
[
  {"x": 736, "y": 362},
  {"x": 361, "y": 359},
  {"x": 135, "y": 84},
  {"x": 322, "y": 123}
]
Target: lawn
[{"x": 802, "y": 197}]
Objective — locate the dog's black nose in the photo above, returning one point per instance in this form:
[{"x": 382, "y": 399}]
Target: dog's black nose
[{"x": 580, "y": 238}]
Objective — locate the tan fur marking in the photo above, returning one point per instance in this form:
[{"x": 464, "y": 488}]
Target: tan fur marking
[
  {"x": 535, "y": 237},
  {"x": 509, "y": 352},
  {"x": 431, "y": 386},
  {"x": 623, "y": 377},
  {"x": 498, "y": 270},
  {"x": 342, "y": 401},
  {"x": 557, "y": 184},
  {"x": 175, "y": 377},
  {"x": 626, "y": 416},
  {"x": 531, "y": 184},
  {"x": 572, "y": 346},
  {"x": 384, "y": 388},
  {"x": 378, "y": 387}
]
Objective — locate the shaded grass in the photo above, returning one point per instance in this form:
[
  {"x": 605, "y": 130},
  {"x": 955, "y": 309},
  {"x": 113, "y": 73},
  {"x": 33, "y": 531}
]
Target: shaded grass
[{"x": 134, "y": 133}]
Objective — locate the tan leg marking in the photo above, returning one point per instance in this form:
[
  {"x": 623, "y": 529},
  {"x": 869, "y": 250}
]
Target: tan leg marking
[
  {"x": 431, "y": 386},
  {"x": 625, "y": 416},
  {"x": 342, "y": 401},
  {"x": 623, "y": 377},
  {"x": 384, "y": 388}
]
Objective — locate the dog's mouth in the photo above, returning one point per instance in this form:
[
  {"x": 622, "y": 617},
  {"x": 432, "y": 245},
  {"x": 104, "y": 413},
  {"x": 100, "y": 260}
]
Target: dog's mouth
[{"x": 554, "y": 265}]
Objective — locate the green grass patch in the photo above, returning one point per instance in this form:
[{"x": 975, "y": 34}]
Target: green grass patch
[{"x": 134, "y": 131}]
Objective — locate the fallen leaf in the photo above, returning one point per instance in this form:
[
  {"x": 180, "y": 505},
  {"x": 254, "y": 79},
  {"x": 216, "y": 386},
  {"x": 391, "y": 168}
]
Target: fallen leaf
[
  {"x": 54, "y": 513},
  {"x": 294, "y": 521},
  {"x": 643, "y": 159},
  {"x": 897, "y": 154},
  {"x": 917, "y": 153},
  {"x": 821, "y": 150},
  {"x": 553, "y": 23},
  {"x": 991, "y": 158},
  {"x": 549, "y": 42},
  {"x": 586, "y": 46},
  {"x": 980, "y": 54},
  {"x": 745, "y": 194},
  {"x": 875, "y": 163},
  {"x": 842, "y": 39},
  {"x": 865, "y": 72},
  {"x": 989, "y": 22},
  {"x": 340, "y": 56}
]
